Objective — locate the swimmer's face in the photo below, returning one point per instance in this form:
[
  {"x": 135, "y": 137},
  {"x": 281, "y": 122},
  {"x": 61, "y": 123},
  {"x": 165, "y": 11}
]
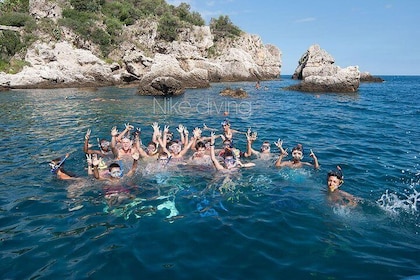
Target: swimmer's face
[
  {"x": 115, "y": 172},
  {"x": 227, "y": 145},
  {"x": 151, "y": 149},
  {"x": 265, "y": 148},
  {"x": 333, "y": 183},
  {"x": 297, "y": 155},
  {"x": 105, "y": 145},
  {"x": 200, "y": 152},
  {"x": 230, "y": 162},
  {"x": 175, "y": 148},
  {"x": 126, "y": 144}
]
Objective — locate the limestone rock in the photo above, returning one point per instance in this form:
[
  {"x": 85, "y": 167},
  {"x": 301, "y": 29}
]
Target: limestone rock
[
  {"x": 367, "y": 77},
  {"x": 143, "y": 57},
  {"x": 60, "y": 65},
  {"x": 319, "y": 74},
  {"x": 45, "y": 9},
  {"x": 166, "y": 86},
  {"x": 236, "y": 93}
]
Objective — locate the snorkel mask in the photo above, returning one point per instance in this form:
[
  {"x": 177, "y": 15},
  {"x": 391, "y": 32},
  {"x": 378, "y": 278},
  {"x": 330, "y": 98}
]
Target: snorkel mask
[
  {"x": 230, "y": 162},
  {"x": 265, "y": 147},
  {"x": 116, "y": 174},
  {"x": 104, "y": 145},
  {"x": 297, "y": 152}
]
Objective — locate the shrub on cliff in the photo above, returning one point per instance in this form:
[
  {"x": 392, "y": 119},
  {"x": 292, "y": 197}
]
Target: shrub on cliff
[{"x": 223, "y": 27}]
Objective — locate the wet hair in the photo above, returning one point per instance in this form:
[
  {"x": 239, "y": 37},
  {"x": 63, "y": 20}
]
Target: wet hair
[
  {"x": 113, "y": 165},
  {"x": 228, "y": 153},
  {"x": 152, "y": 143},
  {"x": 298, "y": 147},
  {"x": 228, "y": 141},
  {"x": 200, "y": 144},
  {"x": 336, "y": 173}
]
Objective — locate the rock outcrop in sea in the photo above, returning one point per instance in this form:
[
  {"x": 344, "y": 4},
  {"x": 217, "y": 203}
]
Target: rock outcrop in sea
[
  {"x": 318, "y": 73},
  {"x": 194, "y": 60}
]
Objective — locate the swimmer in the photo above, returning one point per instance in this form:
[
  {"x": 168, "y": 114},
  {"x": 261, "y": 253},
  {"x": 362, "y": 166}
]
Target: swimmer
[
  {"x": 104, "y": 146},
  {"x": 263, "y": 153},
  {"x": 58, "y": 170},
  {"x": 297, "y": 156},
  {"x": 115, "y": 192},
  {"x": 335, "y": 180},
  {"x": 230, "y": 162},
  {"x": 200, "y": 156},
  {"x": 174, "y": 148},
  {"x": 127, "y": 150}
]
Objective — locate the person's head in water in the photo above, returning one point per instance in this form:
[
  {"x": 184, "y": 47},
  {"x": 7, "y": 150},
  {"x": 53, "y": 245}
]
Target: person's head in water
[
  {"x": 115, "y": 170},
  {"x": 335, "y": 179},
  {"x": 200, "y": 147},
  {"x": 126, "y": 144},
  {"x": 174, "y": 147},
  {"x": 229, "y": 159},
  {"x": 297, "y": 152},
  {"x": 265, "y": 147},
  {"x": 57, "y": 168},
  {"x": 151, "y": 149},
  {"x": 104, "y": 145},
  {"x": 227, "y": 144}
]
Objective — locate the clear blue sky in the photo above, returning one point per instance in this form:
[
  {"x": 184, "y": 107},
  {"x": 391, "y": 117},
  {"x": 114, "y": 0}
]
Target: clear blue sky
[{"x": 380, "y": 36}]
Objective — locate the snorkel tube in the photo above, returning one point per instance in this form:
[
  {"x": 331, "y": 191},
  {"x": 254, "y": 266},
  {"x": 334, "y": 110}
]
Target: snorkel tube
[{"x": 55, "y": 167}]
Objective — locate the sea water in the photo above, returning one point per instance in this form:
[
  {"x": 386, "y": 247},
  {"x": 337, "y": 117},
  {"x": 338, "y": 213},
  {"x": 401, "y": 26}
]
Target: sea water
[{"x": 190, "y": 222}]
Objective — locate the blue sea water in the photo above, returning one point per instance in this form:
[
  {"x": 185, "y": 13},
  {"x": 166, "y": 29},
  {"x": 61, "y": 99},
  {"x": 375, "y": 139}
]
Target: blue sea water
[{"x": 272, "y": 224}]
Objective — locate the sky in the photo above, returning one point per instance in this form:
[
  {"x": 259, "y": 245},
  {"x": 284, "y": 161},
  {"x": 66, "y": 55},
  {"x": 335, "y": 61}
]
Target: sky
[{"x": 380, "y": 36}]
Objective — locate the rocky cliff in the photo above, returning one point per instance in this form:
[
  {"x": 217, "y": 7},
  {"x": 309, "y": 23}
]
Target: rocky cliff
[{"x": 194, "y": 60}]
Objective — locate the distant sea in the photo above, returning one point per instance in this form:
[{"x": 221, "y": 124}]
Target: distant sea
[{"x": 270, "y": 224}]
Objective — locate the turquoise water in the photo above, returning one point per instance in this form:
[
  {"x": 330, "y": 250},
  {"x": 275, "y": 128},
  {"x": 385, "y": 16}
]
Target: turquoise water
[{"x": 275, "y": 223}]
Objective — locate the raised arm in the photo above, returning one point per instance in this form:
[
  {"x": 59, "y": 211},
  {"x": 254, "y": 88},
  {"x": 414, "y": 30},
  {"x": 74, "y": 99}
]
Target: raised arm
[
  {"x": 135, "y": 164},
  {"x": 114, "y": 133},
  {"x": 283, "y": 153},
  {"x": 216, "y": 163},
  {"x": 127, "y": 129},
  {"x": 316, "y": 163},
  {"x": 250, "y": 138}
]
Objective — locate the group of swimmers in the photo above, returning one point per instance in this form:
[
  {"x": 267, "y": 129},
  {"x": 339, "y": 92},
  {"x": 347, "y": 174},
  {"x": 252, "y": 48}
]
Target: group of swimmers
[{"x": 126, "y": 149}]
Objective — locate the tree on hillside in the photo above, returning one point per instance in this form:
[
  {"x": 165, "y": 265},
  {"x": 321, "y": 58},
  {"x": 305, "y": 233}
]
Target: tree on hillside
[{"x": 223, "y": 27}]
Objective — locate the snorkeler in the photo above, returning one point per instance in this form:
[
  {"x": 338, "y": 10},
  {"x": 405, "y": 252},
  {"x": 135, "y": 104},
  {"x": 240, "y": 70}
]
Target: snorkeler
[
  {"x": 127, "y": 149},
  {"x": 104, "y": 146},
  {"x": 335, "y": 180},
  {"x": 115, "y": 191},
  {"x": 174, "y": 148},
  {"x": 58, "y": 170},
  {"x": 297, "y": 156},
  {"x": 229, "y": 162},
  {"x": 264, "y": 152}
]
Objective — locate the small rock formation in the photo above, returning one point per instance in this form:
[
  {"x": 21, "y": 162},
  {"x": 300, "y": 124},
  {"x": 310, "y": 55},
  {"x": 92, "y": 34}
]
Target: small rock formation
[
  {"x": 318, "y": 74},
  {"x": 236, "y": 93},
  {"x": 163, "y": 86},
  {"x": 367, "y": 77}
]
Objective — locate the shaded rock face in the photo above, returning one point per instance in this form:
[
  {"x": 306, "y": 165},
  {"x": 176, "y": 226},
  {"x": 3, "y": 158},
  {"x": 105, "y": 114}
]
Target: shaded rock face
[
  {"x": 236, "y": 93},
  {"x": 163, "y": 86},
  {"x": 367, "y": 77},
  {"x": 318, "y": 73}
]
